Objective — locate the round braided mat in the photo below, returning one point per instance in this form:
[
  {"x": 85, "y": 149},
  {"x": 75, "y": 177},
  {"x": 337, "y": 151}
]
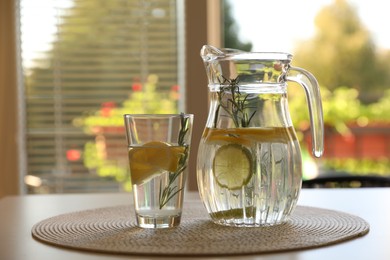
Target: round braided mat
[{"x": 113, "y": 230}]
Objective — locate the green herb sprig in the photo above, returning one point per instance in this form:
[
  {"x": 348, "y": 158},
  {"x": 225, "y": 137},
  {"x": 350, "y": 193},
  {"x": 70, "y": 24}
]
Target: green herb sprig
[
  {"x": 169, "y": 192},
  {"x": 236, "y": 106}
]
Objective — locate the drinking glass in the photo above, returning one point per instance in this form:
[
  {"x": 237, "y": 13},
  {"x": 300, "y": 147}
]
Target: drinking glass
[{"x": 159, "y": 147}]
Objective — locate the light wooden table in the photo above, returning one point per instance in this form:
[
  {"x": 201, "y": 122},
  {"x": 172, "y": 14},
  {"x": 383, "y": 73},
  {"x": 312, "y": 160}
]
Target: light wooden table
[{"x": 19, "y": 213}]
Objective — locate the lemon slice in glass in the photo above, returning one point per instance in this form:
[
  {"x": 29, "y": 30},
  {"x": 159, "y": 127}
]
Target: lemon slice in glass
[
  {"x": 153, "y": 158},
  {"x": 232, "y": 166}
]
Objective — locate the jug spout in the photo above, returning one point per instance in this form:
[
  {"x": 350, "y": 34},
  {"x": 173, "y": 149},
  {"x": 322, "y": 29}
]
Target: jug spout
[{"x": 209, "y": 53}]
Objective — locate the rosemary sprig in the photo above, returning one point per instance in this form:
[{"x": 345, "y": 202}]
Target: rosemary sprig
[
  {"x": 169, "y": 192},
  {"x": 236, "y": 106}
]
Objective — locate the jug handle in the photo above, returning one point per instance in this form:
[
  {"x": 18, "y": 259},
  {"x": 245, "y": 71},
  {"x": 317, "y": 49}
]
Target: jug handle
[{"x": 313, "y": 97}]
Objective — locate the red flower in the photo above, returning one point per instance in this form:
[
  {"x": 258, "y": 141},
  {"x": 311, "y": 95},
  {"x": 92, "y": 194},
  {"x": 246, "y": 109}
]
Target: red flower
[
  {"x": 108, "y": 104},
  {"x": 106, "y": 111},
  {"x": 136, "y": 86},
  {"x": 175, "y": 88},
  {"x": 73, "y": 155}
]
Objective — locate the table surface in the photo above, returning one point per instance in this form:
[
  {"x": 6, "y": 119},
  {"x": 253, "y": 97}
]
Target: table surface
[{"x": 19, "y": 213}]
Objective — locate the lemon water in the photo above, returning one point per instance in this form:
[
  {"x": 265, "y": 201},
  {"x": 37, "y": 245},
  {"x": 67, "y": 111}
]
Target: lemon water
[
  {"x": 249, "y": 176},
  {"x": 158, "y": 177},
  {"x": 147, "y": 202}
]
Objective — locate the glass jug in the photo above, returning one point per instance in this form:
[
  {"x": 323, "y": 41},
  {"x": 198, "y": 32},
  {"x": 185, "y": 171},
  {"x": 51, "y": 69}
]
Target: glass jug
[{"x": 249, "y": 168}]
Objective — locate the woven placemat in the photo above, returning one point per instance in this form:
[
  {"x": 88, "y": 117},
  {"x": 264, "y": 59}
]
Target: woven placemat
[{"x": 113, "y": 230}]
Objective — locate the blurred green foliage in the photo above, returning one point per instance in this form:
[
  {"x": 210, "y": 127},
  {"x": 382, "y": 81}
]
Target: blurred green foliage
[
  {"x": 354, "y": 76},
  {"x": 144, "y": 99},
  {"x": 343, "y": 53},
  {"x": 341, "y": 107},
  {"x": 379, "y": 166},
  {"x": 230, "y": 29}
]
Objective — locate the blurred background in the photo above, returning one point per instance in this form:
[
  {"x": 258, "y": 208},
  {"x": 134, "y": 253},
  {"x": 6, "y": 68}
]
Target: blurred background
[
  {"x": 344, "y": 44},
  {"x": 85, "y": 63}
]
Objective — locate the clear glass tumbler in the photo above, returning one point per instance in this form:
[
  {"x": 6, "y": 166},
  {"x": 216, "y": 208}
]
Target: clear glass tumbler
[{"x": 159, "y": 147}]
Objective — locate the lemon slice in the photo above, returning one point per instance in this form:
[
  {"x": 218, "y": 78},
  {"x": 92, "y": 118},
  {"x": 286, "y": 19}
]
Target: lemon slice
[
  {"x": 153, "y": 158},
  {"x": 232, "y": 166}
]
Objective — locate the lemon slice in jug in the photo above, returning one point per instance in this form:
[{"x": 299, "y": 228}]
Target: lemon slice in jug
[{"x": 232, "y": 166}]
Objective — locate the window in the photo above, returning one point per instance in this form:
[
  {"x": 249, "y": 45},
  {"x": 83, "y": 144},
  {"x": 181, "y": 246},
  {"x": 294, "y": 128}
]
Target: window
[{"x": 85, "y": 64}]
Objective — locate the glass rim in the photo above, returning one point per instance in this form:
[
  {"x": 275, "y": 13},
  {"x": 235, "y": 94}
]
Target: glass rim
[{"x": 157, "y": 115}]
